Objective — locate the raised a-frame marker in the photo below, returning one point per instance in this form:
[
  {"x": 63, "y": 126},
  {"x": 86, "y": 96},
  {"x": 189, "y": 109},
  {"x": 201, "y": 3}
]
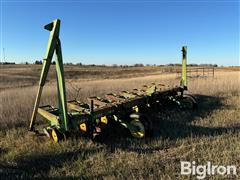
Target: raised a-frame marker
[{"x": 54, "y": 45}]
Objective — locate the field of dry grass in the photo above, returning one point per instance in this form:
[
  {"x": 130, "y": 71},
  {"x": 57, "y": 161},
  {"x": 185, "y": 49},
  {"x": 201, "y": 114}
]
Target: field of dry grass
[
  {"x": 210, "y": 134},
  {"x": 28, "y": 75}
]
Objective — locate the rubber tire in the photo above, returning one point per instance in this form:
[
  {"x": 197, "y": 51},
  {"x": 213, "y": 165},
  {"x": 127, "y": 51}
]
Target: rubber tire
[
  {"x": 56, "y": 135},
  {"x": 147, "y": 123},
  {"x": 192, "y": 99}
]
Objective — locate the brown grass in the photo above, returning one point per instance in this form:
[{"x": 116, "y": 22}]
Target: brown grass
[
  {"x": 28, "y": 75},
  {"x": 211, "y": 134}
]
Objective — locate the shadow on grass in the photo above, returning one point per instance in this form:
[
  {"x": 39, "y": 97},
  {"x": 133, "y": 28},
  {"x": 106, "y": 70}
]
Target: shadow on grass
[
  {"x": 39, "y": 165},
  {"x": 175, "y": 124},
  {"x": 168, "y": 123}
]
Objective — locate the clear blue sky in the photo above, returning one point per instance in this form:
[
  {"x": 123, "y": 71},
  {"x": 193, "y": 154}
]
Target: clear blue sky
[{"x": 124, "y": 32}]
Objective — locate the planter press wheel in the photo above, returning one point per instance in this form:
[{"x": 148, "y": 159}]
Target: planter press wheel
[
  {"x": 56, "y": 135},
  {"x": 189, "y": 102},
  {"x": 137, "y": 129},
  {"x": 141, "y": 120}
]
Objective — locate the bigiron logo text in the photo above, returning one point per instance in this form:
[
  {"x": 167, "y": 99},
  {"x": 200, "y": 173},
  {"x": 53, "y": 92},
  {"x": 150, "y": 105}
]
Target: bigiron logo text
[{"x": 206, "y": 170}]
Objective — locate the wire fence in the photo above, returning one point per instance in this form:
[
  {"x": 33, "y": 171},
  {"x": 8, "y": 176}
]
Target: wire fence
[
  {"x": 198, "y": 72},
  {"x": 191, "y": 71}
]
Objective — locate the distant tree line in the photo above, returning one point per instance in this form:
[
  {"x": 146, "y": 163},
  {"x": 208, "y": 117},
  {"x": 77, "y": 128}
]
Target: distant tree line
[
  {"x": 39, "y": 62},
  {"x": 177, "y": 64},
  {"x": 7, "y": 63}
]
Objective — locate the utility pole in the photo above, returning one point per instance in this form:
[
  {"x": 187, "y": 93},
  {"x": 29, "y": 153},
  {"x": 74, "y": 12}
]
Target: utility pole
[{"x": 4, "y": 60}]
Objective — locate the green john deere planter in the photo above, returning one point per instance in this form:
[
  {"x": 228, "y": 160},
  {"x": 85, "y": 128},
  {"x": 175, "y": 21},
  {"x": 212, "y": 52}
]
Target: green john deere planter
[{"x": 128, "y": 109}]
